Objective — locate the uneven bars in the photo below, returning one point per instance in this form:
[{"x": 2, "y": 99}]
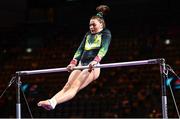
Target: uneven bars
[
  {"x": 108, "y": 65},
  {"x": 161, "y": 61}
]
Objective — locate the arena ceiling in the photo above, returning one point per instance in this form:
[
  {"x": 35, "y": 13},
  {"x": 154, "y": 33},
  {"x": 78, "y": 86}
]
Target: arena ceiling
[{"x": 71, "y": 14}]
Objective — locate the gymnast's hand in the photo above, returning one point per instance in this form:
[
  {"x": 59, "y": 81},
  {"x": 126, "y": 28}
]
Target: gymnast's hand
[
  {"x": 70, "y": 67},
  {"x": 91, "y": 65}
]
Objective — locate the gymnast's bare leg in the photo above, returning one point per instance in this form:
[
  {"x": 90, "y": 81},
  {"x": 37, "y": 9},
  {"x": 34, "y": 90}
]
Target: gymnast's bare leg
[{"x": 77, "y": 81}]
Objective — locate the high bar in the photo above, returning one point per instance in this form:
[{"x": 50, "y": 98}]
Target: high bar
[{"x": 108, "y": 65}]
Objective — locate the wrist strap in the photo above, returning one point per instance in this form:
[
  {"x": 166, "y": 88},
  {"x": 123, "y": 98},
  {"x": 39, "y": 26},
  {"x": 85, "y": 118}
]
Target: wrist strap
[
  {"x": 97, "y": 59},
  {"x": 73, "y": 61}
]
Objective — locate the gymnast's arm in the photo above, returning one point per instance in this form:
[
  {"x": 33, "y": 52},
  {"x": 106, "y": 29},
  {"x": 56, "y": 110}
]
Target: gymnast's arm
[
  {"x": 77, "y": 56},
  {"x": 106, "y": 39}
]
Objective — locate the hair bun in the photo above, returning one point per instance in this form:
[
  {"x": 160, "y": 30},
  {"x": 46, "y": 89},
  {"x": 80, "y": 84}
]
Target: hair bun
[{"x": 104, "y": 9}]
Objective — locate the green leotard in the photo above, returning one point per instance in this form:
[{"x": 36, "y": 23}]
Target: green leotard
[{"x": 93, "y": 45}]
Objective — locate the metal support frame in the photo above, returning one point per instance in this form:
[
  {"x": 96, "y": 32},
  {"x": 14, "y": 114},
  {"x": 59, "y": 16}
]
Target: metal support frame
[{"x": 160, "y": 61}]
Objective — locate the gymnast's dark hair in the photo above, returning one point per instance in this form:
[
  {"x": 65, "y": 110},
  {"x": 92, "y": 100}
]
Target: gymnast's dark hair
[{"x": 101, "y": 11}]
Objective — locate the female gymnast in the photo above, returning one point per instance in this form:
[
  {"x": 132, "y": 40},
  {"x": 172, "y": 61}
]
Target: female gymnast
[{"x": 90, "y": 52}]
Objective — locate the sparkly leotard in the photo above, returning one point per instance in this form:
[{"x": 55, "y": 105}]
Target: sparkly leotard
[{"x": 93, "y": 45}]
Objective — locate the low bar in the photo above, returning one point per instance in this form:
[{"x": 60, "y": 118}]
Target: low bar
[
  {"x": 160, "y": 61},
  {"x": 108, "y": 65}
]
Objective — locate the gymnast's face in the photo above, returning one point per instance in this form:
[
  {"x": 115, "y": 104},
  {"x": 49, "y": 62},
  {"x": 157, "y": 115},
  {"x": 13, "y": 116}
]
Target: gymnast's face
[{"x": 95, "y": 26}]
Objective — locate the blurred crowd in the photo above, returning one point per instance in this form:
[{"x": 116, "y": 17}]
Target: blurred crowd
[{"x": 121, "y": 92}]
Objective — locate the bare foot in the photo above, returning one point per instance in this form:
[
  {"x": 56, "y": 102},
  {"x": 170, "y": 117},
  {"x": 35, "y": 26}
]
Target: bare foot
[{"x": 45, "y": 104}]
